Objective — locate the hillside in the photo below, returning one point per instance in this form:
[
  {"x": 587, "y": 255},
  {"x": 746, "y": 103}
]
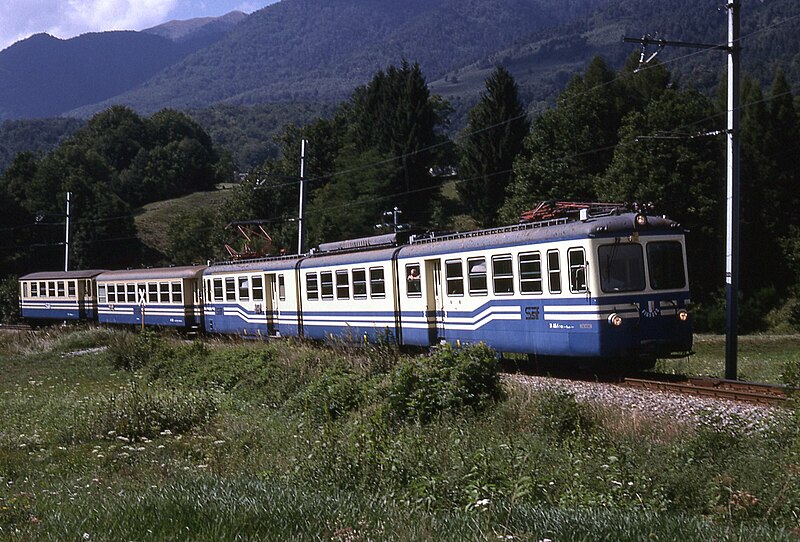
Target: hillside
[
  {"x": 319, "y": 50},
  {"x": 45, "y": 76}
]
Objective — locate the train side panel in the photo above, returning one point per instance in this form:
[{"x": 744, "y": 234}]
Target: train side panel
[
  {"x": 59, "y": 295},
  {"x": 253, "y": 299}
]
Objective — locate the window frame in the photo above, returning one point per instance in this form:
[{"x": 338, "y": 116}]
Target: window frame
[
  {"x": 454, "y": 283},
  {"x": 326, "y": 287},
  {"x": 377, "y": 283},
  {"x": 575, "y": 269},
  {"x": 554, "y": 272},
  {"x": 537, "y": 275},
  {"x": 477, "y": 276},
  {"x": 506, "y": 279},
  {"x": 342, "y": 284},
  {"x": 359, "y": 283},
  {"x": 312, "y": 294},
  {"x": 417, "y": 290}
]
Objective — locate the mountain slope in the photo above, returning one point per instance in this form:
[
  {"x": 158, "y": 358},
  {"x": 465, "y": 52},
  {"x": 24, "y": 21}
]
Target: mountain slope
[
  {"x": 320, "y": 49},
  {"x": 44, "y": 76}
]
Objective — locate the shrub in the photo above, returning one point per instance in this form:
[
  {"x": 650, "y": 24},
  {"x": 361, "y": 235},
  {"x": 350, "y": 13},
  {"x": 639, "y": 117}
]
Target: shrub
[
  {"x": 145, "y": 411},
  {"x": 449, "y": 379},
  {"x": 132, "y": 352},
  {"x": 335, "y": 393},
  {"x": 560, "y": 415}
]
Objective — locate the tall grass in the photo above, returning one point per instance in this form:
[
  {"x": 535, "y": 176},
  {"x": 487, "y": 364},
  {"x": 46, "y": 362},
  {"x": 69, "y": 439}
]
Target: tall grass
[{"x": 157, "y": 439}]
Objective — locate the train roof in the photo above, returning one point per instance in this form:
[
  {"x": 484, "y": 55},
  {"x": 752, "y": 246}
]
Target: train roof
[
  {"x": 275, "y": 263},
  {"x": 549, "y": 230},
  {"x": 63, "y": 275},
  {"x": 154, "y": 273}
]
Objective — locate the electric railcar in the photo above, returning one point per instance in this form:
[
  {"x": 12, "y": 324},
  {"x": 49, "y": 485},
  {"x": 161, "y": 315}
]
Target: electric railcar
[{"x": 613, "y": 286}]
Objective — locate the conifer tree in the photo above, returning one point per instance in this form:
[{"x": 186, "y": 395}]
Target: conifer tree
[{"x": 496, "y": 128}]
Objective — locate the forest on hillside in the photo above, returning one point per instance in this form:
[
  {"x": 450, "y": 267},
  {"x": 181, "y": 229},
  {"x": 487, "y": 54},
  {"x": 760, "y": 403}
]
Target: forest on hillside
[{"x": 613, "y": 135}]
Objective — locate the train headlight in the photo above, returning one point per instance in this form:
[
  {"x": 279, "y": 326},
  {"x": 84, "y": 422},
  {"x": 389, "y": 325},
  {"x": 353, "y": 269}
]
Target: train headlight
[
  {"x": 615, "y": 319},
  {"x": 641, "y": 220},
  {"x": 683, "y": 315}
]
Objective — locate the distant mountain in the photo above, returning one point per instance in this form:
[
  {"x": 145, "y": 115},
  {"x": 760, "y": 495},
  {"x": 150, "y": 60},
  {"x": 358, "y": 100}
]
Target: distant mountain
[
  {"x": 43, "y": 76},
  {"x": 319, "y": 50},
  {"x": 202, "y": 31}
]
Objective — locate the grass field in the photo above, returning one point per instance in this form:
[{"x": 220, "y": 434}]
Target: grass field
[{"x": 106, "y": 435}]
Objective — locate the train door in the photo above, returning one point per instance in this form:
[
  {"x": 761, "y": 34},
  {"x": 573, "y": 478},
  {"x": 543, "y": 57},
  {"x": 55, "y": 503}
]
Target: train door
[
  {"x": 84, "y": 300},
  {"x": 434, "y": 300},
  {"x": 271, "y": 303}
]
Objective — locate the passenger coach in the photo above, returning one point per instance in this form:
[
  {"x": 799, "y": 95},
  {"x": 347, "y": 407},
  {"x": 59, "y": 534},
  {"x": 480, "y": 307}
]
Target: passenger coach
[
  {"x": 165, "y": 296},
  {"x": 59, "y": 295}
]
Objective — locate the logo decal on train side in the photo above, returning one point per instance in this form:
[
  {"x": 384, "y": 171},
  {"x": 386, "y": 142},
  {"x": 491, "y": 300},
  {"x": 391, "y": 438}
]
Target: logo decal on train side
[
  {"x": 652, "y": 310},
  {"x": 531, "y": 313}
]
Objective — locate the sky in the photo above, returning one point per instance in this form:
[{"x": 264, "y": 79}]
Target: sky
[{"x": 20, "y": 19}]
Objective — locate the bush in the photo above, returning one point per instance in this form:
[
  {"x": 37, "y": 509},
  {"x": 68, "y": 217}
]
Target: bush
[
  {"x": 132, "y": 352},
  {"x": 145, "y": 411},
  {"x": 450, "y": 379},
  {"x": 560, "y": 415},
  {"x": 335, "y": 393}
]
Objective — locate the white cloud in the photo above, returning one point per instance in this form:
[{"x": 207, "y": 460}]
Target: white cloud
[{"x": 67, "y": 18}]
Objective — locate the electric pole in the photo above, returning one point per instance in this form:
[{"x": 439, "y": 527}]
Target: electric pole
[{"x": 732, "y": 177}]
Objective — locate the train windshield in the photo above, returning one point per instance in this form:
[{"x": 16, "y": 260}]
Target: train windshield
[
  {"x": 621, "y": 268},
  {"x": 665, "y": 264}
]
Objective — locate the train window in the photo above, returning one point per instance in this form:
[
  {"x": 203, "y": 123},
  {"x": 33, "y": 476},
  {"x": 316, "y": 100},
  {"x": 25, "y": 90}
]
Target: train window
[
  {"x": 503, "y": 274},
  {"x": 71, "y": 288},
  {"x": 25, "y": 289},
  {"x": 342, "y": 284},
  {"x": 51, "y": 289},
  {"x": 665, "y": 264},
  {"x": 258, "y": 288},
  {"x": 455, "y": 277},
  {"x": 312, "y": 288},
  {"x": 476, "y": 276},
  {"x": 621, "y": 267},
  {"x": 326, "y": 280},
  {"x": 101, "y": 293},
  {"x": 244, "y": 288},
  {"x": 281, "y": 288},
  {"x": 34, "y": 289},
  {"x": 530, "y": 273},
  {"x": 377, "y": 285},
  {"x": 359, "y": 284},
  {"x": 177, "y": 294},
  {"x": 152, "y": 292},
  {"x": 553, "y": 272},
  {"x": 60, "y": 288},
  {"x": 131, "y": 293},
  {"x": 163, "y": 289},
  {"x": 577, "y": 270},
  {"x": 413, "y": 280},
  {"x": 112, "y": 293},
  {"x": 142, "y": 291},
  {"x": 230, "y": 289},
  {"x": 218, "y": 290}
]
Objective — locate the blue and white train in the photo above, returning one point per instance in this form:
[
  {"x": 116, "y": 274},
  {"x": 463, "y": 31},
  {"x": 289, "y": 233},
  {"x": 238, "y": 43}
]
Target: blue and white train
[{"x": 609, "y": 286}]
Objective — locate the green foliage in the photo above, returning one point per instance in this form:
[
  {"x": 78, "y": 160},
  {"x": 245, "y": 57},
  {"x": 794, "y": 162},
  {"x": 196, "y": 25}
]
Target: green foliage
[
  {"x": 9, "y": 301},
  {"x": 335, "y": 393},
  {"x": 561, "y": 416},
  {"x": 448, "y": 380},
  {"x": 144, "y": 411},
  {"x": 131, "y": 352},
  {"x": 495, "y": 131}
]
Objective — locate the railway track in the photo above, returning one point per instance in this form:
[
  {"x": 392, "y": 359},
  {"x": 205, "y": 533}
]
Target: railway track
[
  {"x": 718, "y": 388},
  {"x": 15, "y": 327}
]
